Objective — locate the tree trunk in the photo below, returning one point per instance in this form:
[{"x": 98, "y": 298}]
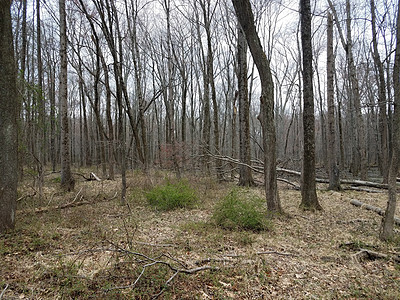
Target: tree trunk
[
  {"x": 67, "y": 181},
  {"x": 41, "y": 141},
  {"x": 360, "y": 146},
  {"x": 309, "y": 200},
  {"x": 383, "y": 123},
  {"x": 245, "y": 176},
  {"x": 8, "y": 122},
  {"x": 388, "y": 220},
  {"x": 245, "y": 16},
  {"x": 334, "y": 178},
  {"x": 359, "y": 160}
]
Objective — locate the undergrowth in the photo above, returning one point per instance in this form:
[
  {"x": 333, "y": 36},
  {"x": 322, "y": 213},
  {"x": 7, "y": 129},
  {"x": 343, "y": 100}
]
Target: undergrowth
[
  {"x": 241, "y": 210},
  {"x": 171, "y": 196}
]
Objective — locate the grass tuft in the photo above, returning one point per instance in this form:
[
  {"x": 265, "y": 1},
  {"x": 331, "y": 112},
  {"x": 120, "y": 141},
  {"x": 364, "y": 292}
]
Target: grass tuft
[
  {"x": 241, "y": 210},
  {"x": 172, "y": 196}
]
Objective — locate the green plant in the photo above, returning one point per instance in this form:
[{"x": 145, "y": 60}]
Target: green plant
[
  {"x": 241, "y": 210},
  {"x": 172, "y": 195}
]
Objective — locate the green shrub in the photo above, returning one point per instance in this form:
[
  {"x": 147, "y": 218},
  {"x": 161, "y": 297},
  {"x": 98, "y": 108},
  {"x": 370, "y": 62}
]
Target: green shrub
[
  {"x": 240, "y": 210},
  {"x": 172, "y": 195}
]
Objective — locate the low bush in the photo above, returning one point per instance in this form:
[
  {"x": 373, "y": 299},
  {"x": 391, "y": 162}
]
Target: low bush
[
  {"x": 172, "y": 195},
  {"x": 241, "y": 210}
]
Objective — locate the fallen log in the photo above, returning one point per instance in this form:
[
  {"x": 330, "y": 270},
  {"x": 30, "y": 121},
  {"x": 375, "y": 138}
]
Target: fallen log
[
  {"x": 360, "y": 189},
  {"x": 375, "y": 209},
  {"x": 260, "y": 169}
]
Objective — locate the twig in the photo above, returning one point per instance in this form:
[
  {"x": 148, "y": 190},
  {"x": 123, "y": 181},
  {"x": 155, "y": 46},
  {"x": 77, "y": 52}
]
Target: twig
[
  {"x": 277, "y": 253},
  {"x": 76, "y": 197},
  {"x": 158, "y": 245},
  {"x": 3, "y": 292},
  {"x": 154, "y": 261},
  {"x": 165, "y": 285}
]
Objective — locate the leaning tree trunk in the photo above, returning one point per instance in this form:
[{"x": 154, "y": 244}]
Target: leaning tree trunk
[
  {"x": 67, "y": 181},
  {"x": 388, "y": 220},
  {"x": 245, "y": 16},
  {"x": 8, "y": 122},
  {"x": 309, "y": 200}
]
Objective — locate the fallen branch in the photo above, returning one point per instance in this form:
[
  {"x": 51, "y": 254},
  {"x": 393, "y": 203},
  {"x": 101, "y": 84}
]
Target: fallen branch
[
  {"x": 63, "y": 206},
  {"x": 3, "y": 292},
  {"x": 373, "y": 255},
  {"x": 297, "y": 187},
  {"x": 359, "y": 189},
  {"x": 93, "y": 176},
  {"x": 154, "y": 261},
  {"x": 26, "y": 196},
  {"x": 375, "y": 209},
  {"x": 277, "y": 253},
  {"x": 157, "y": 245}
]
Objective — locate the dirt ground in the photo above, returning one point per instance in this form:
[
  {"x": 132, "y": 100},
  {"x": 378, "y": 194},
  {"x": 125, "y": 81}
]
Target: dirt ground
[{"x": 100, "y": 249}]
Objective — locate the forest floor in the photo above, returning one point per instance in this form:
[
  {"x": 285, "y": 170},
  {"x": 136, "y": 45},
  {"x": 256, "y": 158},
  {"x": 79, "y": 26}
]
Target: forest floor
[{"x": 102, "y": 250}]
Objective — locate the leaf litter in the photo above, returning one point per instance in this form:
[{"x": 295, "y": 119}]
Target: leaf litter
[{"x": 71, "y": 253}]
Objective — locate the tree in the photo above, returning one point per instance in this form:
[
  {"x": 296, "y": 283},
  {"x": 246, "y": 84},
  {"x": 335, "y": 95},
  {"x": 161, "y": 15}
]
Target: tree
[
  {"x": 245, "y": 178},
  {"x": 245, "y": 16},
  {"x": 359, "y": 158},
  {"x": 8, "y": 122},
  {"x": 67, "y": 181},
  {"x": 334, "y": 179},
  {"x": 388, "y": 220},
  {"x": 309, "y": 200},
  {"x": 383, "y": 124}
]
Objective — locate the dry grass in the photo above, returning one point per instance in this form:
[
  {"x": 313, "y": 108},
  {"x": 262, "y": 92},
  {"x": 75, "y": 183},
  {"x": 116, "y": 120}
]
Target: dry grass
[{"x": 70, "y": 253}]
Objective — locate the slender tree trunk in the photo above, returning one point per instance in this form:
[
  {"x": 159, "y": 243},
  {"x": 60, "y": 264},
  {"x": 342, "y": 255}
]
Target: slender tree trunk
[
  {"x": 334, "y": 178},
  {"x": 383, "y": 123},
  {"x": 360, "y": 150},
  {"x": 309, "y": 200},
  {"x": 52, "y": 97},
  {"x": 234, "y": 135},
  {"x": 21, "y": 152},
  {"x": 388, "y": 220},
  {"x": 41, "y": 142},
  {"x": 67, "y": 181},
  {"x": 246, "y": 19},
  {"x": 359, "y": 159},
  {"x": 245, "y": 176},
  {"x": 8, "y": 122}
]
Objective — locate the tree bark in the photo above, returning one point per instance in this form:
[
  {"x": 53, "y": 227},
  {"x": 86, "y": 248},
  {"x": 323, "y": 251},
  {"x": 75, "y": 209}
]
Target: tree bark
[
  {"x": 388, "y": 220},
  {"x": 334, "y": 178},
  {"x": 309, "y": 200},
  {"x": 67, "y": 181},
  {"x": 245, "y": 176},
  {"x": 8, "y": 122},
  {"x": 245, "y": 16}
]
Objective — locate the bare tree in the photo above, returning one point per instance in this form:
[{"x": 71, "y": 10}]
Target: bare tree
[
  {"x": 245, "y": 179},
  {"x": 359, "y": 158},
  {"x": 67, "y": 181},
  {"x": 309, "y": 200},
  {"x": 388, "y": 220},
  {"x": 334, "y": 178},
  {"x": 245, "y": 16},
  {"x": 383, "y": 124},
  {"x": 8, "y": 122}
]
